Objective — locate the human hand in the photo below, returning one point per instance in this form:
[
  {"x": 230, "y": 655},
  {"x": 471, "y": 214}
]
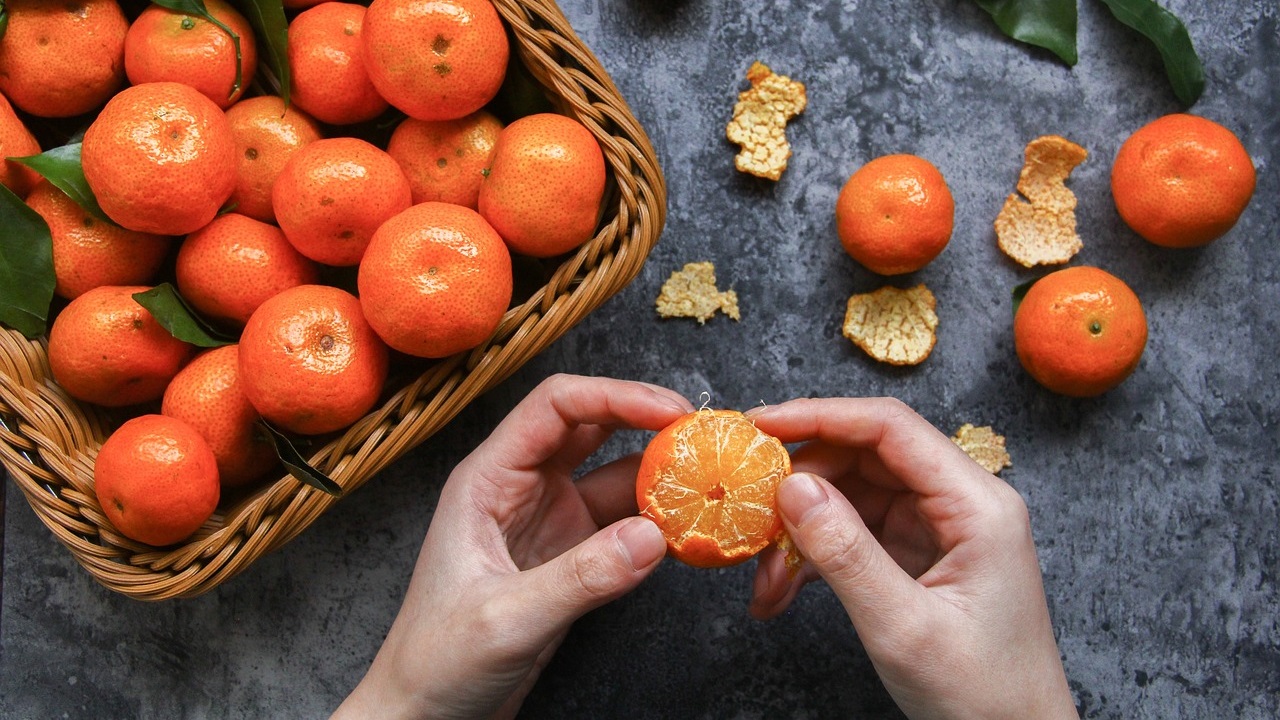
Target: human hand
[
  {"x": 515, "y": 553},
  {"x": 931, "y": 556}
]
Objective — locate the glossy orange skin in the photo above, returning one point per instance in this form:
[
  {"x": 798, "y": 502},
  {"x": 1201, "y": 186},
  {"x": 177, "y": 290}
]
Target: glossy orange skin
[
  {"x": 327, "y": 64},
  {"x": 62, "y": 59},
  {"x": 229, "y": 267},
  {"x": 435, "y": 59},
  {"x": 156, "y": 480},
  {"x": 1080, "y": 331},
  {"x": 207, "y": 395},
  {"x": 165, "y": 45},
  {"x": 333, "y": 194},
  {"x": 160, "y": 158},
  {"x": 106, "y": 349},
  {"x": 895, "y": 214},
  {"x": 266, "y": 135},
  {"x": 309, "y": 361},
  {"x": 545, "y": 185},
  {"x": 445, "y": 160},
  {"x": 89, "y": 252},
  {"x": 436, "y": 280},
  {"x": 1182, "y": 181},
  {"x": 16, "y": 141}
]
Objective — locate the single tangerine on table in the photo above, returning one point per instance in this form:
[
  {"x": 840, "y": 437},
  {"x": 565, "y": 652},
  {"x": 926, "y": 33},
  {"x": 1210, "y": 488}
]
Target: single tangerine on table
[
  {"x": 435, "y": 59},
  {"x": 16, "y": 141},
  {"x": 59, "y": 59},
  {"x": 106, "y": 349},
  {"x": 89, "y": 252},
  {"x": 326, "y": 63},
  {"x": 166, "y": 45},
  {"x": 156, "y": 480},
  {"x": 160, "y": 158},
  {"x": 266, "y": 135},
  {"x": 445, "y": 160},
  {"x": 895, "y": 214},
  {"x": 1080, "y": 331},
  {"x": 1182, "y": 181},
  {"x": 710, "y": 482},
  {"x": 309, "y": 361}
]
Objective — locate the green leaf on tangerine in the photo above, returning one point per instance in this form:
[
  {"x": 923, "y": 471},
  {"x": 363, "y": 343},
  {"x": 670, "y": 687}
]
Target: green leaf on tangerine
[
  {"x": 269, "y": 21},
  {"x": 297, "y": 465},
  {"x": 26, "y": 267},
  {"x": 1050, "y": 24},
  {"x": 61, "y": 167},
  {"x": 175, "y": 315}
]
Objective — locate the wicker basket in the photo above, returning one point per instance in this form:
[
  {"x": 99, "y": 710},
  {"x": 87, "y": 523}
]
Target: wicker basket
[{"x": 48, "y": 441}]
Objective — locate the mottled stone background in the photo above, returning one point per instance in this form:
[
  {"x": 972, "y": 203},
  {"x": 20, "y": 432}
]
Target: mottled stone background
[{"x": 1155, "y": 507}]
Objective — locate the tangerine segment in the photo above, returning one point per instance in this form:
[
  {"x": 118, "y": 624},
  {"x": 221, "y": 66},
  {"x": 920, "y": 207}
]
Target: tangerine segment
[{"x": 710, "y": 482}]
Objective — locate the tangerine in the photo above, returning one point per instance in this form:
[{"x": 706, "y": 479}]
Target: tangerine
[
  {"x": 895, "y": 214},
  {"x": 710, "y": 482},
  {"x": 1080, "y": 331},
  {"x": 16, "y": 141},
  {"x": 156, "y": 480},
  {"x": 266, "y": 135},
  {"x": 160, "y": 158},
  {"x": 545, "y": 184},
  {"x": 1182, "y": 181},
  {"x": 207, "y": 395},
  {"x": 89, "y": 252},
  {"x": 106, "y": 349},
  {"x": 435, "y": 59},
  {"x": 327, "y": 65},
  {"x": 59, "y": 59},
  {"x": 229, "y": 267},
  {"x": 309, "y": 361},
  {"x": 445, "y": 160},
  {"x": 165, "y": 45},
  {"x": 436, "y": 280}
]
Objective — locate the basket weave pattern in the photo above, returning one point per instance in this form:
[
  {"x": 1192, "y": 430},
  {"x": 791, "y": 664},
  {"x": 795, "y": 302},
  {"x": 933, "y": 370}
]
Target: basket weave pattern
[{"x": 48, "y": 441}]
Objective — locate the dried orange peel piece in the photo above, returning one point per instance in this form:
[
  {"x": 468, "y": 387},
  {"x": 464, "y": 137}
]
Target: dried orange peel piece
[
  {"x": 1041, "y": 230},
  {"x": 893, "y": 325},
  {"x": 983, "y": 445},
  {"x": 710, "y": 482},
  {"x": 691, "y": 292},
  {"x": 760, "y": 118}
]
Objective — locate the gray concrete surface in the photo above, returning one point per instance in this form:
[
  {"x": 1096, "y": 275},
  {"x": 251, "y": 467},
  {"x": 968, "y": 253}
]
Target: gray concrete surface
[{"x": 1155, "y": 506}]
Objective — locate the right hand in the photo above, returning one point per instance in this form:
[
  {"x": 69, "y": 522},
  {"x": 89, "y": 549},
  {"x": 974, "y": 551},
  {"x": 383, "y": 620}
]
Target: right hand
[{"x": 931, "y": 556}]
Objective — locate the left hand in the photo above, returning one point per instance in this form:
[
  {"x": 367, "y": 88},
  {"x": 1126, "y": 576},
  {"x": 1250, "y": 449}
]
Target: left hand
[{"x": 516, "y": 552}]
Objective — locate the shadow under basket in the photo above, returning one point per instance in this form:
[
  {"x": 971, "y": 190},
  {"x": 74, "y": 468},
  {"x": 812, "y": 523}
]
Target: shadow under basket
[{"x": 48, "y": 441}]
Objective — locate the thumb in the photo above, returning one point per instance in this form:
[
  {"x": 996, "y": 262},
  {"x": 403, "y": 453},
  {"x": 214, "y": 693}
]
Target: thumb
[{"x": 831, "y": 535}]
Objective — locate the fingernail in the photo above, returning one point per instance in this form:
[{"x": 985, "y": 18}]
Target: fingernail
[
  {"x": 642, "y": 543},
  {"x": 800, "y": 496}
]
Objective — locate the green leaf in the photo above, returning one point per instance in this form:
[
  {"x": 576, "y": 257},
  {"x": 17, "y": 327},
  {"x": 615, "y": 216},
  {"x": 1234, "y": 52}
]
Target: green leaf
[
  {"x": 172, "y": 312},
  {"x": 1050, "y": 24},
  {"x": 26, "y": 266},
  {"x": 1020, "y": 292},
  {"x": 1166, "y": 31},
  {"x": 4, "y": 19},
  {"x": 298, "y": 466},
  {"x": 267, "y": 17},
  {"x": 197, "y": 8},
  {"x": 61, "y": 167}
]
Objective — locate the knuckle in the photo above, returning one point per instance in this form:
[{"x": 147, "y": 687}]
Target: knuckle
[{"x": 594, "y": 574}]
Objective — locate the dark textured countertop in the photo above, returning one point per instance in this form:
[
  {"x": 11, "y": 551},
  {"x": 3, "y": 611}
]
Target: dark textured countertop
[{"x": 1155, "y": 507}]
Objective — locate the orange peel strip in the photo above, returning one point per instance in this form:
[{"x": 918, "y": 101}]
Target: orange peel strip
[
  {"x": 984, "y": 445},
  {"x": 1041, "y": 230},
  {"x": 760, "y": 121},
  {"x": 691, "y": 292},
  {"x": 893, "y": 325}
]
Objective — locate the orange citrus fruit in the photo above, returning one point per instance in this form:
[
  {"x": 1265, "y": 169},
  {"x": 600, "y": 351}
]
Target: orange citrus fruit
[
  {"x": 16, "y": 141},
  {"x": 445, "y": 160},
  {"x": 1080, "y": 331},
  {"x": 435, "y": 59},
  {"x": 207, "y": 395},
  {"x": 309, "y": 361},
  {"x": 106, "y": 349},
  {"x": 1182, "y": 181},
  {"x": 229, "y": 267},
  {"x": 160, "y": 158},
  {"x": 895, "y": 214},
  {"x": 333, "y": 194},
  {"x": 89, "y": 252},
  {"x": 166, "y": 45},
  {"x": 545, "y": 183},
  {"x": 435, "y": 280},
  {"x": 156, "y": 480},
  {"x": 266, "y": 135},
  {"x": 59, "y": 59},
  {"x": 710, "y": 482},
  {"x": 327, "y": 66}
]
